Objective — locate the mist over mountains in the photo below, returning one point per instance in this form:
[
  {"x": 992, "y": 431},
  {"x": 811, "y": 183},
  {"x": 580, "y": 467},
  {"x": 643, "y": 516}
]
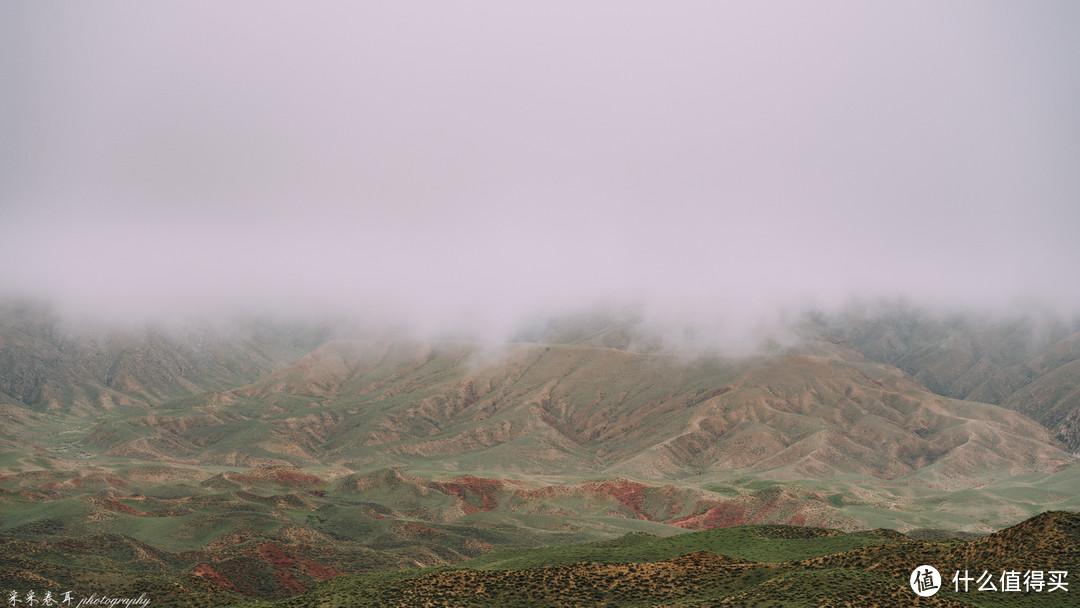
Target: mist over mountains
[
  {"x": 711, "y": 167},
  {"x": 1023, "y": 364},
  {"x": 294, "y": 291}
]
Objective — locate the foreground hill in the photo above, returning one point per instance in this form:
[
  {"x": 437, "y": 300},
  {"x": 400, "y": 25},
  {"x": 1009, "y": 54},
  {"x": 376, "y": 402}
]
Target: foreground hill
[
  {"x": 778, "y": 566},
  {"x": 206, "y": 535}
]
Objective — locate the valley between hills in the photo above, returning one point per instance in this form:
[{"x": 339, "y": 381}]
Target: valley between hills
[{"x": 208, "y": 466}]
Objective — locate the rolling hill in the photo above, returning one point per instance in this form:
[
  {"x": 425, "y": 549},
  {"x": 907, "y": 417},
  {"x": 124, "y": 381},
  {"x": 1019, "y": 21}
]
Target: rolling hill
[{"x": 746, "y": 566}]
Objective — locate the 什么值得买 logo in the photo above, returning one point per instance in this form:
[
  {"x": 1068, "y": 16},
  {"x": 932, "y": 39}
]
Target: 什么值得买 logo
[{"x": 925, "y": 580}]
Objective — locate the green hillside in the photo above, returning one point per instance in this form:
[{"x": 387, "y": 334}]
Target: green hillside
[
  {"x": 793, "y": 567},
  {"x": 753, "y": 543}
]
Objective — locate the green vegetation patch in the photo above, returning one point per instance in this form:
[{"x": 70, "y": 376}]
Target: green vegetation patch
[{"x": 754, "y": 543}]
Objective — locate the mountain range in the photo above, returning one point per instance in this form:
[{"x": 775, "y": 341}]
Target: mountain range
[{"x": 259, "y": 458}]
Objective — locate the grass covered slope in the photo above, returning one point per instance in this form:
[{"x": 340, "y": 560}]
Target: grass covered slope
[
  {"x": 275, "y": 532},
  {"x": 762, "y": 543},
  {"x": 791, "y": 567}
]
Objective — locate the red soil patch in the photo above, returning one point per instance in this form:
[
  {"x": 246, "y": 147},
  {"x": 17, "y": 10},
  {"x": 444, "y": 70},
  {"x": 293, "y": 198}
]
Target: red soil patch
[
  {"x": 723, "y": 515},
  {"x": 115, "y": 505},
  {"x": 286, "y": 477},
  {"x": 296, "y": 479},
  {"x": 411, "y": 529},
  {"x": 207, "y": 572},
  {"x": 275, "y": 556},
  {"x": 798, "y": 519},
  {"x": 629, "y": 493},
  {"x": 283, "y": 562},
  {"x": 471, "y": 489},
  {"x": 320, "y": 571}
]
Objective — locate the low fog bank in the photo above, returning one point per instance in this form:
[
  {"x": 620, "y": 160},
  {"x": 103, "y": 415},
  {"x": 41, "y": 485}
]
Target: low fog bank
[{"x": 895, "y": 323}]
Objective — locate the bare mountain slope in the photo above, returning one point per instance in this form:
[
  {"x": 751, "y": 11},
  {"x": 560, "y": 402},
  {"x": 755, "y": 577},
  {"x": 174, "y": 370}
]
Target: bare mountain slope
[
  {"x": 1029, "y": 364},
  {"x": 537, "y": 409},
  {"x": 47, "y": 365}
]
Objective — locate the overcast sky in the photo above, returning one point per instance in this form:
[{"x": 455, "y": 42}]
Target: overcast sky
[{"x": 465, "y": 162}]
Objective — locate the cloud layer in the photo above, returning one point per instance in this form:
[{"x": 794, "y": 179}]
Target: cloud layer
[{"x": 470, "y": 164}]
